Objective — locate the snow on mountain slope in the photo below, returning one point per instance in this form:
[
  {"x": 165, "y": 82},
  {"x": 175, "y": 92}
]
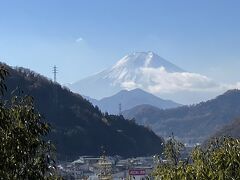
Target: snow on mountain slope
[{"x": 147, "y": 71}]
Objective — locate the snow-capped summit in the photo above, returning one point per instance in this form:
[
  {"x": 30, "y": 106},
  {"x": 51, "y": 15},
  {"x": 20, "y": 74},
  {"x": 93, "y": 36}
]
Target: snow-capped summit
[
  {"x": 144, "y": 70},
  {"x": 145, "y": 59},
  {"x": 127, "y": 72}
]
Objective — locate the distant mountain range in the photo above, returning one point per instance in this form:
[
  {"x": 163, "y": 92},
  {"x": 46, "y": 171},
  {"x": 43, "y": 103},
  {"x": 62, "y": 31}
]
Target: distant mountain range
[
  {"x": 190, "y": 123},
  {"x": 149, "y": 72},
  {"x": 130, "y": 99},
  {"x": 79, "y": 128}
]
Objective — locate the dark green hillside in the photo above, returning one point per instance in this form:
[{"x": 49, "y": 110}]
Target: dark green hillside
[
  {"x": 79, "y": 128},
  {"x": 191, "y": 123},
  {"x": 232, "y": 129}
]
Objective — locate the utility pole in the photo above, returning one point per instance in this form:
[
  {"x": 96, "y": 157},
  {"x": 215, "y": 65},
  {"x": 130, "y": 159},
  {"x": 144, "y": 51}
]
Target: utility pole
[
  {"x": 120, "y": 109},
  {"x": 55, "y": 73}
]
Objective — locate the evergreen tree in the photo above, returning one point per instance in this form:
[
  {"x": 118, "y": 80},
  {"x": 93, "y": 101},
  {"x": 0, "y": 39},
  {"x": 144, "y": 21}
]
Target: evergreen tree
[
  {"x": 220, "y": 160},
  {"x": 24, "y": 152}
]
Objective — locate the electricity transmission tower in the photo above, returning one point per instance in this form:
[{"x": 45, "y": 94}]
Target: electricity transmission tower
[
  {"x": 55, "y": 71},
  {"x": 120, "y": 109}
]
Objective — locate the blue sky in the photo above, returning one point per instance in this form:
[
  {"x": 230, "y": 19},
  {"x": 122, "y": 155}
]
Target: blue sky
[{"x": 84, "y": 37}]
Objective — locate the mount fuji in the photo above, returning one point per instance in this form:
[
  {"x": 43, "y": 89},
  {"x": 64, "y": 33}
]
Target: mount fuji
[{"x": 146, "y": 71}]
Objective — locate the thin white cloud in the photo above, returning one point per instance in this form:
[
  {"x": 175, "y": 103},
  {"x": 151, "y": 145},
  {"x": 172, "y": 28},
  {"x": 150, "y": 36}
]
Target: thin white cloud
[
  {"x": 231, "y": 86},
  {"x": 163, "y": 81},
  {"x": 129, "y": 85},
  {"x": 79, "y": 39},
  {"x": 183, "y": 87},
  {"x": 158, "y": 80}
]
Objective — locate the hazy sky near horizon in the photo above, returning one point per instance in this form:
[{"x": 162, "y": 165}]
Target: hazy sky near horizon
[{"x": 83, "y": 37}]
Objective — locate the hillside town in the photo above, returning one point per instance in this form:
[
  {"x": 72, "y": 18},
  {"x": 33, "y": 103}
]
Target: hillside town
[
  {"x": 120, "y": 90},
  {"x": 108, "y": 168}
]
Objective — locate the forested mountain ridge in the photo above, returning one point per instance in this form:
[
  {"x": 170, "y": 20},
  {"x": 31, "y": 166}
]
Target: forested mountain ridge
[
  {"x": 195, "y": 122},
  {"x": 232, "y": 129},
  {"x": 79, "y": 128}
]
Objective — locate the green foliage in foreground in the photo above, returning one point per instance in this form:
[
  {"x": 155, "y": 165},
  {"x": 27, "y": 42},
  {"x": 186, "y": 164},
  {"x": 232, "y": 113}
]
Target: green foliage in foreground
[
  {"x": 24, "y": 154},
  {"x": 220, "y": 161}
]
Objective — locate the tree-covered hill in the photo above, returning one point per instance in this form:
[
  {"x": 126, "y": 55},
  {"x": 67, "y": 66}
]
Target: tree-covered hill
[
  {"x": 232, "y": 129},
  {"x": 79, "y": 128},
  {"x": 190, "y": 123}
]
